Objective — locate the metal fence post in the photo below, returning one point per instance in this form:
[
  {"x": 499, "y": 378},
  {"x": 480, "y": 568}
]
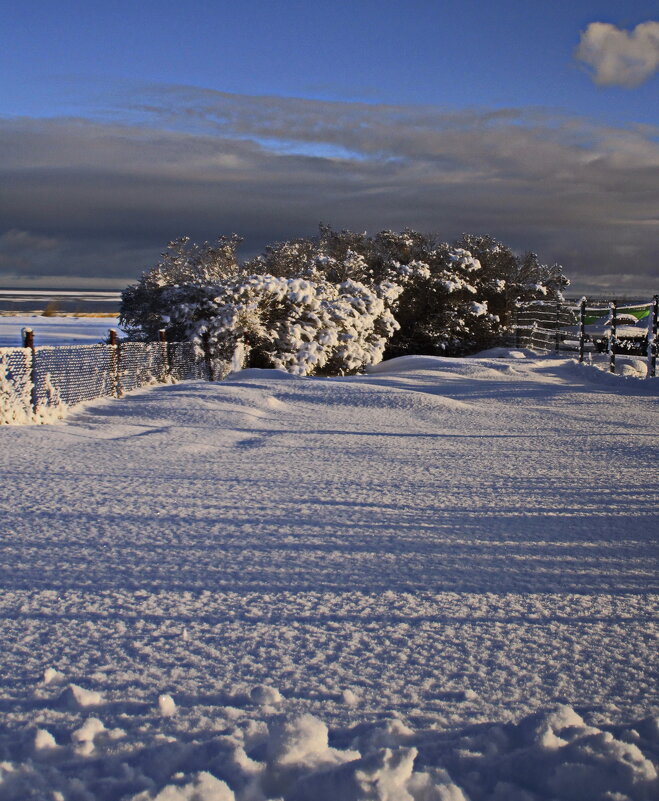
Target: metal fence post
[
  {"x": 28, "y": 342},
  {"x": 613, "y": 339},
  {"x": 582, "y": 328},
  {"x": 652, "y": 339}
]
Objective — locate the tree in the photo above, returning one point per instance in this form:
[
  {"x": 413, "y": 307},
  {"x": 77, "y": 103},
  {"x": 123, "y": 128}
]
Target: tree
[
  {"x": 302, "y": 326},
  {"x": 146, "y": 305},
  {"x": 508, "y": 278},
  {"x": 335, "y": 302}
]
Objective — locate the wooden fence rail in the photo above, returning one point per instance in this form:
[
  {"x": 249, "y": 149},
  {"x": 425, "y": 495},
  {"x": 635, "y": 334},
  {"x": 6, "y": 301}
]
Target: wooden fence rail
[{"x": 611, "y": 329}]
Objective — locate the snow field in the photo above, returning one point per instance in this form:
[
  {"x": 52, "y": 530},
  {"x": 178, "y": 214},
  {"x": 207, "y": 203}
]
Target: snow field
[
  {"x": 435, "y": 581},
  {"x": 55, "y": 330}
]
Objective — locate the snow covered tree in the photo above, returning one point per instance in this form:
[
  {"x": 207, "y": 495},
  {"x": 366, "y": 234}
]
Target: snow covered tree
[
  {"x": 336, "y": 302},
  {"x": 305, "y": 327},
  {"x": 145, "y": 306},
  {"x": 508, "y": 278}
]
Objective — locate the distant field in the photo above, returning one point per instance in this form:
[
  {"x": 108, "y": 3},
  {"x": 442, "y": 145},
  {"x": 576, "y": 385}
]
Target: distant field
[
  {"x": 55, "y": 330},
  {"x": 58, "y": 301}
]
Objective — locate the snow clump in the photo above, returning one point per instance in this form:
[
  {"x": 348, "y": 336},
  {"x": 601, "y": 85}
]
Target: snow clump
[{"x": 75, "y": 697}]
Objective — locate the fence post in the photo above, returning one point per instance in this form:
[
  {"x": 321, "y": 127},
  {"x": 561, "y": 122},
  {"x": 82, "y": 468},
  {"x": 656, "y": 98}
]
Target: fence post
[
  {"x": 613, "y": 339},
  {"x": 116, "y": 383},
  {"x": 582, "y": 327},
  {"x": 557, "y": 321},
  {"x": 28, "y": 342},
  {"x": 652, "y": 339},
  {"x": 205, "y": 338}
]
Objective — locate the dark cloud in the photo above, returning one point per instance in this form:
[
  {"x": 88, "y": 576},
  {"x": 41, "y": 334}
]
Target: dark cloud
[{"x": 107, "y": 197}]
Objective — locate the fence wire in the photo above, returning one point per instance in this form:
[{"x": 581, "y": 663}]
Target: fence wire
[
  {"x": 45, "y": 377},
  {"x": 141, "y": 363},
  {"x": 187, "y": 363},
  {"x": 73, "y": 373}
]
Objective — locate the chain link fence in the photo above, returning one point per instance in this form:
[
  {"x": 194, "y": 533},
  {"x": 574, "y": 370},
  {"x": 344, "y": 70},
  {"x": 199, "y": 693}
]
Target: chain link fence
[{"x": 37, "y": 381}]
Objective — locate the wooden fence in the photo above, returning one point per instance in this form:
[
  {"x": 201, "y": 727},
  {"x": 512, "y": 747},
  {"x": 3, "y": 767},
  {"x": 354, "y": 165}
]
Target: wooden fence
[{"x": 582, "y": 328}]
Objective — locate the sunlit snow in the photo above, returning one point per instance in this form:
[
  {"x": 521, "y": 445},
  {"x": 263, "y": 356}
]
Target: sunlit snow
[
  {"x": 55, "y": 330},
  {"x": 434, "y": 581}
]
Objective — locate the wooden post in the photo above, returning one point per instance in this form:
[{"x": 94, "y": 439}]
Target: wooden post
[
  {"x": 28, "y": 342},
  {"x": 116, "y": 383},
  {"x": 582, "y": 328},
  {"x": 205, "y": 338},
  {"x": 557, "y": 321},
  {"x": 652, "y": 338},
  {"x": 613, "y": 310}
]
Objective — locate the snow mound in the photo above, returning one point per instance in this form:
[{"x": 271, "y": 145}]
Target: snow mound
[
  {"x": 411, "y": 363},
  {"x": 261, "y": 374},
  {"x": 263, "y": 694},
  {"x": 204, "y": 787},
  {"x": 551, "y": 755},
  {"x": 52, "y": 676},
  {"x": 44, "y": 740},
  {"x": 166, "y": 705},
  {"x": 505, "y": 353}
]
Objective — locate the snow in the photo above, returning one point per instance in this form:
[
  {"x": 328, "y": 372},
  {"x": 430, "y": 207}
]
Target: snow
[
  {"x": 76, "y": 697},
  {"x": 55, "y": 330},
  {"x": 434, "y": 581},
  {"x": 166, "y": 705}
]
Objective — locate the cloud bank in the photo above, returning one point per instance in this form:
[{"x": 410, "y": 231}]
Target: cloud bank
[
  {"x": 619, "y": 57},
  {"x": 85, "y": 198}
]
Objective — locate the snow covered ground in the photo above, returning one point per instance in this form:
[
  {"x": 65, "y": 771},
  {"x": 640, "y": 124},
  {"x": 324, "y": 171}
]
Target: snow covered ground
[
  {"x": 55, "y": 330},
  {"x": 433, "y": 582}
]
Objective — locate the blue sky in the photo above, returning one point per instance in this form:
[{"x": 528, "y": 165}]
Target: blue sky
[
  {"x": 302, "y": 79},
  {"x": 62, "y": 58}
]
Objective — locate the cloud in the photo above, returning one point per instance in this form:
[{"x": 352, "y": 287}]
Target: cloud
[
  {"x": 205, "y": 163},
  {"x": 619, "y": 57}
]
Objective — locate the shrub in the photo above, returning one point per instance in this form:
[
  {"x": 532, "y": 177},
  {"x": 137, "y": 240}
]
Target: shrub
[
  {"x": 303, "y": 326},
  {"x": 146, "y": 305},
  {"x": 337, "y": 302}
]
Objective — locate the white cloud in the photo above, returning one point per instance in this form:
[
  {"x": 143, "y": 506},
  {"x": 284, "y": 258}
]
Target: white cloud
[{"x": 619, "y": 57}]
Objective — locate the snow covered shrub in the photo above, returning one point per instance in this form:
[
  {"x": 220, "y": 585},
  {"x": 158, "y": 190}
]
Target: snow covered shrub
[
  {"x": 145, "y": 305},
  {"x": 508, "y": 278},
  {"x": 455, "y": 298},
  {"x": 337, "y": 302},
  {"x": 466, "y": 299},
  {"x": 302, "y": 326}
]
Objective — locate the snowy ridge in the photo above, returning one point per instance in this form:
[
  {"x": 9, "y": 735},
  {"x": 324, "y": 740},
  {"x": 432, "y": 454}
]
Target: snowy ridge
[
  {"x": 434, "y": 581},
  {"x": 252, "y": 750}
]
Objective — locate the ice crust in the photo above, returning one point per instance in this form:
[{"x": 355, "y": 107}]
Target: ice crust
[{"x": 433, "y": 582}]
